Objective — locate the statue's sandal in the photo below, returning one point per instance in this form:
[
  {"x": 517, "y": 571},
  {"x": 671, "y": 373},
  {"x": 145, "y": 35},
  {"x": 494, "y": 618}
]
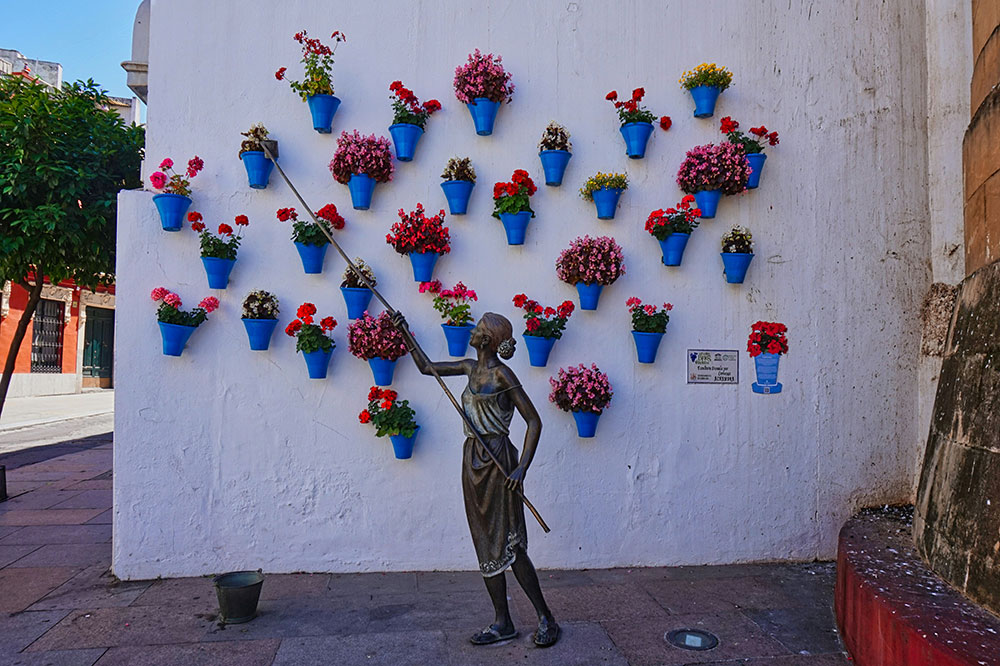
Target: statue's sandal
[
  {"x": 547, "y": 635},
  {"x": 491, "y": 635}
]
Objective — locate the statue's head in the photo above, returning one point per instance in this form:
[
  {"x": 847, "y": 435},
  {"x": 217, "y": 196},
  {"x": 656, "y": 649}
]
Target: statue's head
[{"x": 494, "y": 333}]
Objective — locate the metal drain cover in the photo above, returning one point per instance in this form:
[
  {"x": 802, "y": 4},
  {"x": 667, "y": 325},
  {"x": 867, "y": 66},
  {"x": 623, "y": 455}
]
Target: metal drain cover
[{"x": 691, "y": 639}]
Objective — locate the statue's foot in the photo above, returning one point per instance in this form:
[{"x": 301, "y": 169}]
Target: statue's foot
[
  {"x": 547, "y": 634},
  {"x": 494, "y": 634}
]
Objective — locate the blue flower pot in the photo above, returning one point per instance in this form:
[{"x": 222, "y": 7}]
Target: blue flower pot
[
  {"x": 357, "y": 299},
  {"x": 539, "y": 349},
  {"x": 515, "y": 225},
  {"x": 636, "y": 136},
  {"x": 402, "y": 447},
  {"x": 589, "y": 295},
  {"x": 362, "y": 186},
  {"x": 312, "y": 257},
  {"x": 554, "y": 165},
  {"x": 405, "y": 136},
  {"x": 673, "y": 248},
  {"x": 704, "y": 100},
  {"x": 259, "y": 331},
  {"x": 484, "y": 114},
  {"x": 766, "y": 366},
  {"x": 423, "y": 265},
  {"x": 258, "y": 168},
  {"x": 172, "y": 209},
  {"x": 606, "y": 200},
  {"x": 382, "y": 370},
  {"x": 586, "y": 423},
  {"x": 174, "y": 337},
  {"x": 317, "y": 362},
  {"x": 646, "y": 345},
  {"x": 736, "y": 265},
  {"x": 458, "y": 338},
  {"x": 322, "y": 108},
  {"x": 218, "y": 271},
  {"x": 708, "y": 202},
  {"x": 756, "y": 161},
  {"x": 458, "y": 193}
]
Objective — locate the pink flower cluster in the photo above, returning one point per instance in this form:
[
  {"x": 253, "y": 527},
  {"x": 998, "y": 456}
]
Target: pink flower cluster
[
  {"x": 483, "y": 76},
  {"x": 175, "y": 183},
  {"x": 714, "y": 167},
  {"x": 370, "y": 337},
  {"x": 591, "y": 261},
  {"x": 358, "y": 154},
  {"x": 581, "y": 389}
]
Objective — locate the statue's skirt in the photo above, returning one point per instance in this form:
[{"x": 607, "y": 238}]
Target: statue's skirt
[{"x": 496, "y": 515}]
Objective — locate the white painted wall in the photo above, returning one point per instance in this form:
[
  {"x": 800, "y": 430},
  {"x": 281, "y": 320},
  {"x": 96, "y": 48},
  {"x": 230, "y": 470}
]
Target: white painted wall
[{"x": 228, "y": 459}]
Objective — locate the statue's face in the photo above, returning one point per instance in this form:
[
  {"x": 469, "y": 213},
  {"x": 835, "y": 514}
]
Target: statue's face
[{"x": 480, "y": 339}]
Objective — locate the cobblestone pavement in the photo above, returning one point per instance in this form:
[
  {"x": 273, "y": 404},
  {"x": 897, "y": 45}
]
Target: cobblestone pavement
[{"x": 60, "y": 605}]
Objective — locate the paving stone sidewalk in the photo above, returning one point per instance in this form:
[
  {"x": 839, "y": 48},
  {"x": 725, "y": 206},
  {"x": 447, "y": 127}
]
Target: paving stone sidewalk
[{"x": 60, "y": 605}]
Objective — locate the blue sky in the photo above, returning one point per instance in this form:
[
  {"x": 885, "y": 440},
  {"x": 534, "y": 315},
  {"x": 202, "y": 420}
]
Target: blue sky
[{"x": 90, "y": 38}]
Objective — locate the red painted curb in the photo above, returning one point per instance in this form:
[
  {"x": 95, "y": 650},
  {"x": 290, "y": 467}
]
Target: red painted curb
[{"x": 893, "y": 610}]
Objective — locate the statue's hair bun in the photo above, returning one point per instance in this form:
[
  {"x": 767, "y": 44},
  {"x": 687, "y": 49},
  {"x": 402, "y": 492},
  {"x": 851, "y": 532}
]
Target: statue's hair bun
[{"x": 506, "y": 348}]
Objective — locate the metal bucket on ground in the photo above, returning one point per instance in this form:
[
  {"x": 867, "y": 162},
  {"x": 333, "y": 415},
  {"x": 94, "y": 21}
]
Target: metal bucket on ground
[{"x": 238, "y": 592}]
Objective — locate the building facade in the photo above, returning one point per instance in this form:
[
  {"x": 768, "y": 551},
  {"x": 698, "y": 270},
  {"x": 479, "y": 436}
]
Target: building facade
[{"x": 228, "y": 459}]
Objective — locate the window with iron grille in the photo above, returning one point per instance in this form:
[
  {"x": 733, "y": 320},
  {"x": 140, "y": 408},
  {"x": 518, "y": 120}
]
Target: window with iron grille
[{"x": 47, "y": 337}]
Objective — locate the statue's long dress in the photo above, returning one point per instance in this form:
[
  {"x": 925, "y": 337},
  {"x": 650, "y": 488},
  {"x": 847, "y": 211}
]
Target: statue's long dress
[{"x": 496, "y": 515}]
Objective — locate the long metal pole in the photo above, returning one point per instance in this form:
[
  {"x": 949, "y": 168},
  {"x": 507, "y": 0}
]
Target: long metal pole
[{"x": 267, "y": 145}]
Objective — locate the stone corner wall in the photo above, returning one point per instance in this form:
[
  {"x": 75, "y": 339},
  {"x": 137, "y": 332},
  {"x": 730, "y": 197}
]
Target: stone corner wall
[{"x": 957, "y": 518}]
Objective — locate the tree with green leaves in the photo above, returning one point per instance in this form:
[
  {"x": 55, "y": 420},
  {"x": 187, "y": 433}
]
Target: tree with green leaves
[{"x": 64, "y": 156}]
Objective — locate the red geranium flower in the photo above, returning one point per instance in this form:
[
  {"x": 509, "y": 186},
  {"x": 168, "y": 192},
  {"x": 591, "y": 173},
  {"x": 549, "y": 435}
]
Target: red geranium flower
[
  {"x": 242, "y": 220},
  {"x": 330, "y": 214},
  {"x": 305, "y": 310},
  {"x": 638, "y": 94},
  {"x": 198, "y": 226},
  {"x": 520, "y": 299},
  {"x": 280, "y": 74},
  {"x": 328, "y": 323},
  {"x": 194, "y": 216},
  {"x": 365, "y": 416},
  {"x": 727, "y": 125},
  {"x": 293, "y": 327},
  {"x": 285, "y": 214},
  {"x": 665, "y": 123},
  {"x": 225, "y": 229}
]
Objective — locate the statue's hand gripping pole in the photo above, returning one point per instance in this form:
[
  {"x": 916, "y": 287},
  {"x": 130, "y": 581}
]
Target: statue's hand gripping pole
[{"x": 270, "y": 148}]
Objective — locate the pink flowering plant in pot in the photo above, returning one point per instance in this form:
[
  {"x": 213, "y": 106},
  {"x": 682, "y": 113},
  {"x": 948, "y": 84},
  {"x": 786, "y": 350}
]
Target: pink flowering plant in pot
[
  {"x": 316, "y": 89},
  {"x": 174, "y": 198},
  {"x": 360, "y": 162},
  {"x": 712, "y": 170},
  {"x": 455, "y": 307},
  {"x": 649, "y": 323},
  {"x": 583, "y": 391},
  {"x": 378, "y": 341},
  {"x": 591, "y": 264},
  {"x": 176, "y": 325},
  {"x": 483, "y": 85}
]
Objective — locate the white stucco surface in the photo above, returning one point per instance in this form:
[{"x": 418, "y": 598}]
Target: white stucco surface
[{"x": 231, "y": 459}]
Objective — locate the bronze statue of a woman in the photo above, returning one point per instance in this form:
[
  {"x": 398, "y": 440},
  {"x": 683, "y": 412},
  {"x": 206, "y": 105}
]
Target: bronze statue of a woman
[{"x": 494, "y": 511}]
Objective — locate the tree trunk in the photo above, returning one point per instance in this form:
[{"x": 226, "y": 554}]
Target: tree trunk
[{"x": 34, "y": 295}]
